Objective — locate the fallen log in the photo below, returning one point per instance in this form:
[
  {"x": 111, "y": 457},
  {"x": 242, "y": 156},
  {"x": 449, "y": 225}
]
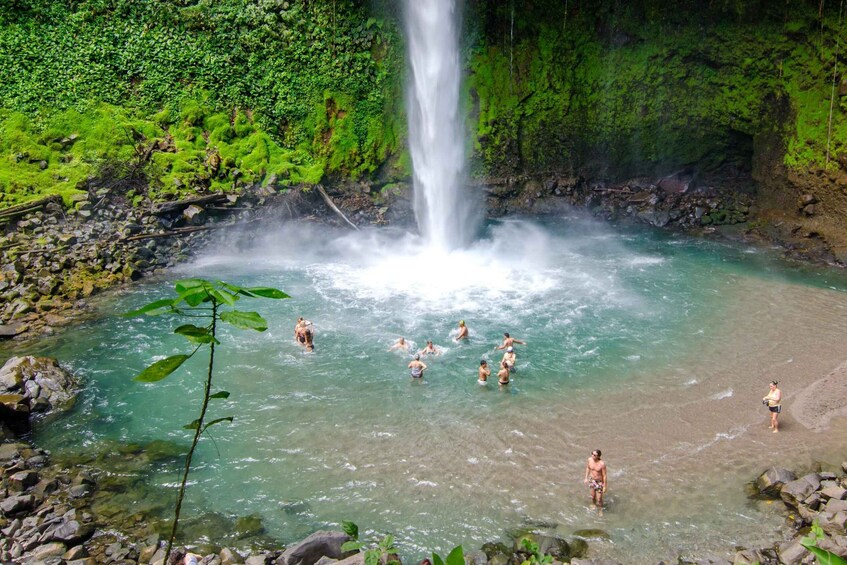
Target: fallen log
[
  {"x": 184, "y": 231},
  {"x": 334, "y": 208},
  {"x": 171, "y": 207},
  {"x": 13, "y": 212}
]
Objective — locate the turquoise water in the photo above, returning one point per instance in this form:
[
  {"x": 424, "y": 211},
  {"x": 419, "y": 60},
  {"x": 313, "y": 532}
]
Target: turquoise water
[{"x": 622, "y": 325}]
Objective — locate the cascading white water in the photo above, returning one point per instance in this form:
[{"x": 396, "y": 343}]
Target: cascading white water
[{"x": 436, "y": 132}]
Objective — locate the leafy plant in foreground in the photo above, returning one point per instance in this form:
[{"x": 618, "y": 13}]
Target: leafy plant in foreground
[
  {"x": 384, "y": 552},
  {"x": 536, "y": 557},
  {"x": 824, "y": 557},
  {"x": 455, "y": 557},
  {"x": 374, "y": 555},
  {"x": 210, "y": 302}
]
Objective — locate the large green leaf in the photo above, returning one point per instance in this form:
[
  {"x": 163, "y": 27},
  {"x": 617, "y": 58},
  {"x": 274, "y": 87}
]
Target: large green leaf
[
  {"x": 245, "y": 320},
  {"x": 264, "y": 292},
  {"x": 351, "y": 529},
  {"x": 456, "y": 557},
  {"x": 224, "y": 297},
  {"x": 196, "y": 334},
  {"x": 161, "y": 369},
  {"x": 372, "y": 557},
  {"x": 182, "y": 285},
  {"x": 154, "y": 308},
  {"x": 195, "y": 296},
  {"x": 824, "y": 557},
  {"x": 352, "y": 545},
  {"x": 436, "y": 559}
]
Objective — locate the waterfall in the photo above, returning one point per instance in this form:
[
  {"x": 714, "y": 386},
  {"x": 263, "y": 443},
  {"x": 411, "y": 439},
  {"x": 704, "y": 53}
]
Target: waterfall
[{"x": 436, "y": 129}]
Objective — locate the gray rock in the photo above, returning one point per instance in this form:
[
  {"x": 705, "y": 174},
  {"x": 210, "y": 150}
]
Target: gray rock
[
  {"x": 752, "y": 557},
  {"x": 22, "y": 480},
  {"x": 792, "y": 553},
  {"x": 256, "y": 560},
  {"x": 549, "y": 545},
  {"x": 834, "y": 492},
  {"x": 17, "y": 503},
  {"x": 9, "y": 452},
  {"x": 77, "y": 552},
  {"x": 72, "y": 532},
  {"x": 833, "y": 524},
  {"x": 229, "y": 557},
  {"x": 771, "y": 481},
  {"x": 795, "y": 492},
  {"x": 44, "y": 552},
  {"x": 836, "y": 505},
  {"x": 328, "y": 561},
  {"x": 194, "y": 215},
  {"x": 358, "y": 559},
  {"x": 79, "y": 491},
  {"x": 11, "y": 330},
  {"x": 320, "y": 544},
  {"x": 19, "y": 307},
  {"x": 830, "y": 545}
]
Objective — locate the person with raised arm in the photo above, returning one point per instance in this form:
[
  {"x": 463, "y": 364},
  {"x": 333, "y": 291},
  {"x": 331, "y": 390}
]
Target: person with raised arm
[{"x": 509, "y": 341}]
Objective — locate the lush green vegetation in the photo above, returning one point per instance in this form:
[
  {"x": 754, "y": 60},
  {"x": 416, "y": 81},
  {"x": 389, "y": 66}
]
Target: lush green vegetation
[
  {"x": 234, "y": 92},
  {"x": 622, "y": 88},
  {"x": 295, "y": 89}
]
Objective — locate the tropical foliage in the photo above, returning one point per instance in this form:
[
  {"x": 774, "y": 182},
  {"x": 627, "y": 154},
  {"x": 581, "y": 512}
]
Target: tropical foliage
[{"x": 211, "y": 303}]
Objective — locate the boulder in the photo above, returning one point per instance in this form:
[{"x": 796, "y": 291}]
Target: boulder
[
  {"x": 548, "y": 545},
  {"x": 22, "y": 480},
  {"x": 831, "y": 545},
  {"x": 792, "y": 553},
  {"x": 835, "y": 505},
  {"x": 11, "y": 330},
  {"x": 229, "y": 557},
  {"x": 834, "y": 524},
  {"x": 10, "y": 452},
  {"x": 45, "y": 383},
  {"x": 44, "y": 552},
  {"x": 77, "y": 552},
  {"x": 356, "y": 559},
  {"x": 770, "y": 482},
  {"x": 796, "y": 491},
  {"x": 72, "y": 532},
  {"x": 320, "y": 544},
  {"x": 754, "y": 557},
  {"x": 834, "y": 492},
  {"x": 194, "y": 215},
  {"x": 17, "y": 503}
]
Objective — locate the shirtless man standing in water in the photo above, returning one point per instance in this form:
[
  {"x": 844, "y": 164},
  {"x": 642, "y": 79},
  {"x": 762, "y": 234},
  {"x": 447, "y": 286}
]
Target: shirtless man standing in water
[
  {"x": 484, "y": 372},
  {"x": 509, "y": 341},
  {"x": 595, "y": 478}
]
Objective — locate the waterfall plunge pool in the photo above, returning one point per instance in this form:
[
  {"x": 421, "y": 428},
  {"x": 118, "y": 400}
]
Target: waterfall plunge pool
[{"x": 655, "y": 348}]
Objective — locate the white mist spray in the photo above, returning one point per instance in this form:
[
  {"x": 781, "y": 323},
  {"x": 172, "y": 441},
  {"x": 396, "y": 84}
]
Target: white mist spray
[{"x": 436, "y": 131}]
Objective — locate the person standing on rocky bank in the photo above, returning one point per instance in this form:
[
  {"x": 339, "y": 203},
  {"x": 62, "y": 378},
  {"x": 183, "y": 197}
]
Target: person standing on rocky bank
[
  {"x": 774, "y": 402},
  {"x": 595, "y": 478}
]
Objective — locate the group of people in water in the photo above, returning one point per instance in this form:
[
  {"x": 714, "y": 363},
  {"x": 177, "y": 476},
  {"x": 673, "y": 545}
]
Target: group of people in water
[
  {"x": 595, "y": 468},
  {"x": 506, "y": 366}
]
